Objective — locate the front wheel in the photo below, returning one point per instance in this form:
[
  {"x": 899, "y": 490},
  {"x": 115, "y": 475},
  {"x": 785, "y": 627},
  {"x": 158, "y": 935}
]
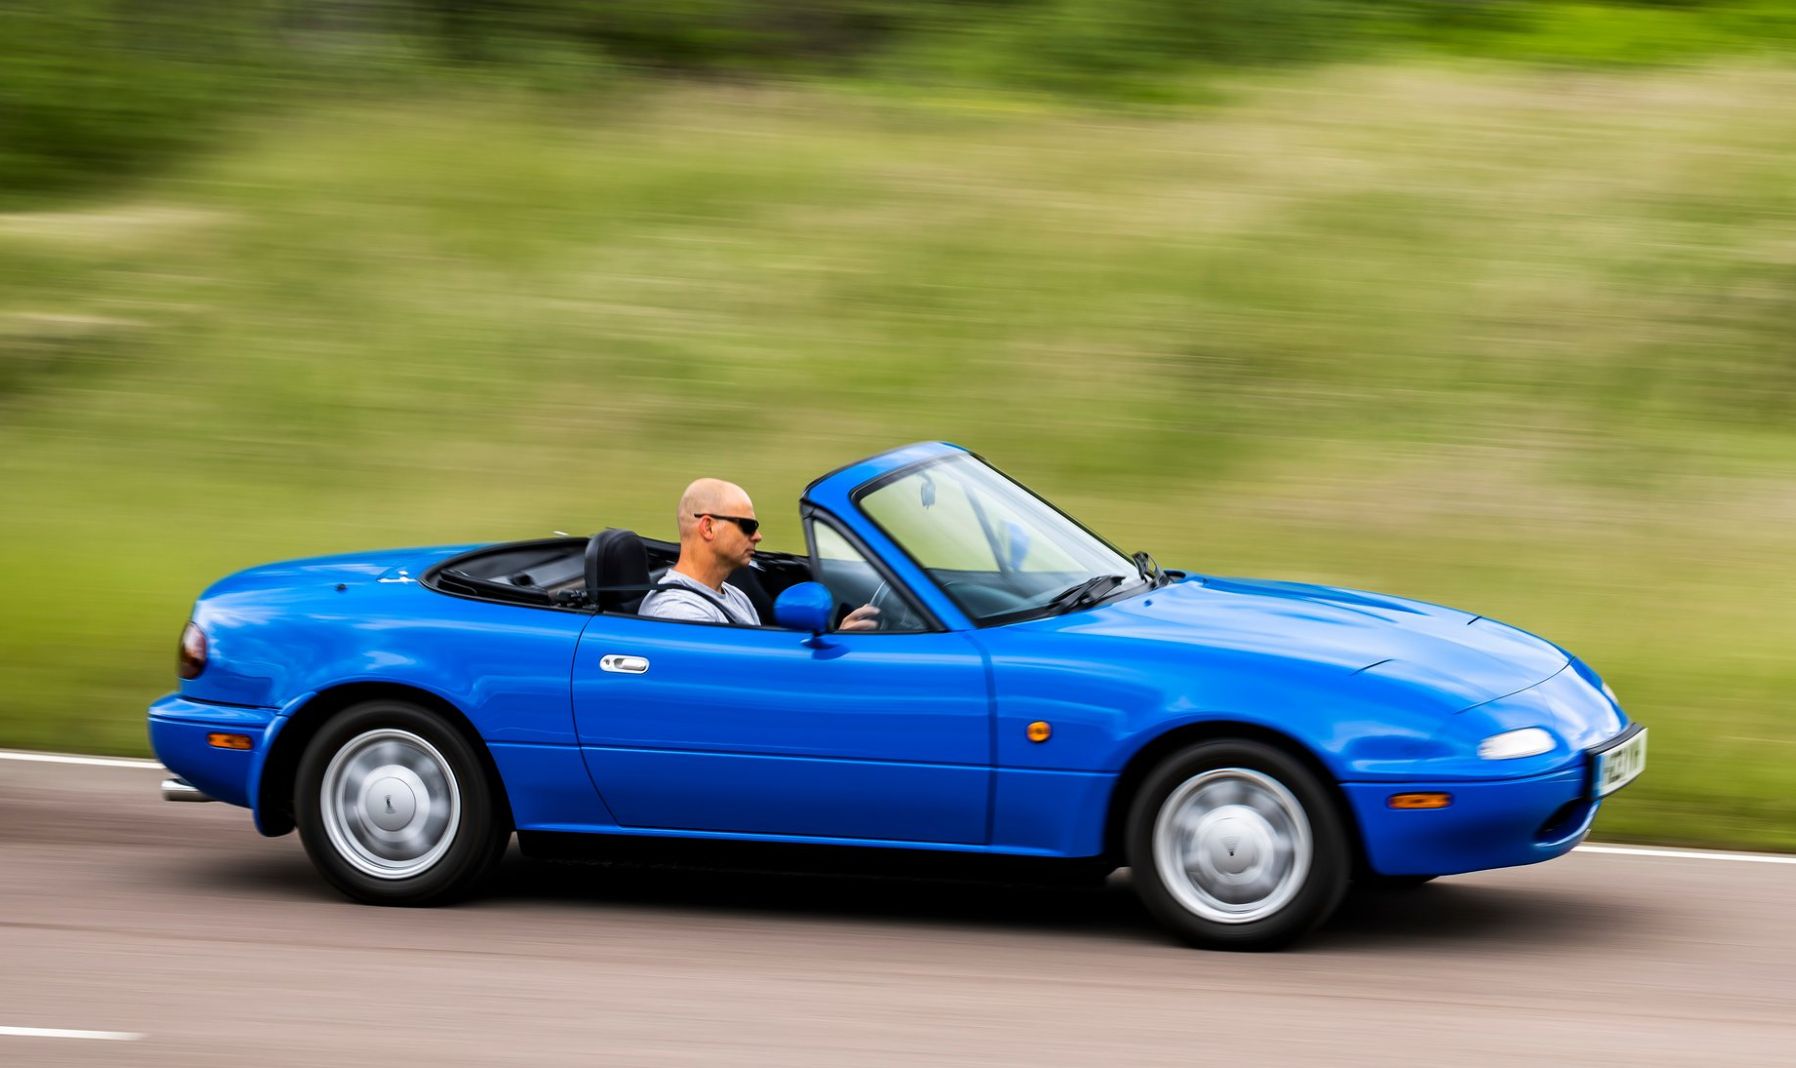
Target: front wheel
[
  {"x": 1237, "y": 845},
  {"x": 394, "y": 807}
]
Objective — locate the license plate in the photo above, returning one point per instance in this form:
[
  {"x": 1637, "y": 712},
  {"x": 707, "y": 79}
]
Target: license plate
[{"x": 1620, "y": 764}]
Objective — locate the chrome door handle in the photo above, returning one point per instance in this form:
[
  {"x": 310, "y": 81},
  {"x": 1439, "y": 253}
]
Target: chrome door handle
[{"x": 627, "y": 665}]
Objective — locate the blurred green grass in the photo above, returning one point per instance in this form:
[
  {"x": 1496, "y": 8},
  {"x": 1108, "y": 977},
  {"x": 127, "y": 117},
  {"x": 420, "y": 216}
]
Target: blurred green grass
[{"x": 1516, "y": 341}]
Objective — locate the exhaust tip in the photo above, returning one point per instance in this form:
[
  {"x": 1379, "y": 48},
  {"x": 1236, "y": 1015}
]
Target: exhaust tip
[{"x": 181, "y": 790}]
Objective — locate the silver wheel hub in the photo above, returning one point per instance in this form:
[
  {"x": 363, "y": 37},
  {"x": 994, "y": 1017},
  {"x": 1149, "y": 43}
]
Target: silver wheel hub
[
  {"x": 378, "y": 798},
  {"x": 391, "y": 804},
  {"x": 1232, "y": 845}
]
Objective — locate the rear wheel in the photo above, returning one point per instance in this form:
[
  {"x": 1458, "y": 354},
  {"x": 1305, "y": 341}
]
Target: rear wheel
[
  {"x": 1236, "y": 845},
  {"x": 395, "y": 808}
]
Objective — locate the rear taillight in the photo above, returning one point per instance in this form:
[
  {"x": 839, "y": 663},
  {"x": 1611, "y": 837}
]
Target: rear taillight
[{"x": 193, "y": 651}]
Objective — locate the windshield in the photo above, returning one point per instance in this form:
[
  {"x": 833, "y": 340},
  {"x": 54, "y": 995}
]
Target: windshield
[{"x": 998, "y": 550}]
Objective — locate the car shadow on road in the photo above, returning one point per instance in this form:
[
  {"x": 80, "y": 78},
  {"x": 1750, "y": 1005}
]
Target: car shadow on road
[
  {"x": 1448, "y": 913},
  {"x": 973, "y": 898}
]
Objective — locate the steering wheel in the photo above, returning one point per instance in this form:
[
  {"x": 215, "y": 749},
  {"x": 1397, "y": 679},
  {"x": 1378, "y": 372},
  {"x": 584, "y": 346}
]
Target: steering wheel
[{"x": 881, "y": 601}]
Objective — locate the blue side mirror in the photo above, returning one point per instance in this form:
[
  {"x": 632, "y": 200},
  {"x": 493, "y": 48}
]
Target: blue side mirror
[{"x": 806, "y": 606}]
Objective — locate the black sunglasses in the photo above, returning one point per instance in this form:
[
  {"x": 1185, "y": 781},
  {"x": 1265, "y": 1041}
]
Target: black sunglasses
[{"x": 748, "y": 526}]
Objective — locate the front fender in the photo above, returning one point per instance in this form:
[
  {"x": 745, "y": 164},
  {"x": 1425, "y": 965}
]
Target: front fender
[{"x": 1106, "y": 698}]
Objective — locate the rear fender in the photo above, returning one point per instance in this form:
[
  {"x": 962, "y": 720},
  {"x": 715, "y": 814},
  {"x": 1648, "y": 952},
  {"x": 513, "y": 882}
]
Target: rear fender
[{"x": 272, "y": 784}]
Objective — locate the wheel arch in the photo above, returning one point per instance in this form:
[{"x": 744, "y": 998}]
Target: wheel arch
[
  {"x": 274, "y": 795},
  {"x": 1161, "y": 746}
]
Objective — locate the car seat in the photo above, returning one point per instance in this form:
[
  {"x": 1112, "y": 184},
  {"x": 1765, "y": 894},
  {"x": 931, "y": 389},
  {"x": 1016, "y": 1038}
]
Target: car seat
[{"x": 617, "y": 570}]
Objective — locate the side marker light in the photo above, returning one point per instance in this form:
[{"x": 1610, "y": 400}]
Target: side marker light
[
  {"x": 1039, "y": 731},
  {"x": 229, "y": 741},
  {"x": 1419, "y": 800}
]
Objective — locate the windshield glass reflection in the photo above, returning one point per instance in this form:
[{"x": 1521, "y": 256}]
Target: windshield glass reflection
[{"x": 999, "y": 551}]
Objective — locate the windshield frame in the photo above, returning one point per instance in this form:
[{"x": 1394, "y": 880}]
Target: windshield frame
[
  {"x": 1133, "y": 583},
  {"x": 812, "y": 514}
]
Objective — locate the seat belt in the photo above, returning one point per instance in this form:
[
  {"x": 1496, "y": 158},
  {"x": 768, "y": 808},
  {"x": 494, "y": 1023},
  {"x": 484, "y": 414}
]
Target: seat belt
[{"x": 722, "y": 605}]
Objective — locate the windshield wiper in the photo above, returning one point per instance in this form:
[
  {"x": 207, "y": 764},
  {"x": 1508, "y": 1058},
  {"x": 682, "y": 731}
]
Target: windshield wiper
[
  {"x": 1150, "y": 571},
  {"x": 1088, "y": 592}
]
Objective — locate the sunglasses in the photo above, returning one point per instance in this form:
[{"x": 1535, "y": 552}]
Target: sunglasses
[{"x": 747, "y": 526}]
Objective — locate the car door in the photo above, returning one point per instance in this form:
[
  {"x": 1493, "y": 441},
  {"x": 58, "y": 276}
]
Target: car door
[{"x": 757, "y": 730}]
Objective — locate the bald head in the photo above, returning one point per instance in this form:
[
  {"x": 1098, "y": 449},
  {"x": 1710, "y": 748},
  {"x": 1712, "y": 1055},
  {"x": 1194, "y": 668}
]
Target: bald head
[
  {"x": 712, "y": 495},
  {"x": 712, "y": 547}
]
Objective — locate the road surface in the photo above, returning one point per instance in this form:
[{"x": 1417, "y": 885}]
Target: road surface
[{"x": 170, "y": 934}]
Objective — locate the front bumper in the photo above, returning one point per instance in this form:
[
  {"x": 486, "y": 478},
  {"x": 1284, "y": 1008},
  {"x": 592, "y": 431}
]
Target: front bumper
[
  {"x": 178, "y": 731},
  {"x": 1488, "y": 825}
]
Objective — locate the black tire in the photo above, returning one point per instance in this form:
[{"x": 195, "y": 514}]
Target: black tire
[
  {"x": 1228, "y": 788},
  {"x": 458, "y": 825}
]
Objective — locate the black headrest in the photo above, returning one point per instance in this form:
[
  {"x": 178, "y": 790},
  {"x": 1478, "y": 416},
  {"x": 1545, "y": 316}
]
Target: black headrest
[{"x": 616, "y": 557}]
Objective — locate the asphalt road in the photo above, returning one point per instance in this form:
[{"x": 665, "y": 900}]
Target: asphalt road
[{"x": 180, "y": 925}]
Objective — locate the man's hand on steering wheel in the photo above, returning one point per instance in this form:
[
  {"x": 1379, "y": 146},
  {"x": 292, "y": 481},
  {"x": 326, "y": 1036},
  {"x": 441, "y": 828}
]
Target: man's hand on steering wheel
[{"x": 866, "y": 617}]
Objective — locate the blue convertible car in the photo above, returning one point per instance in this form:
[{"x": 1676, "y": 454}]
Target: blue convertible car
[{"x": 1246, "y": 747}]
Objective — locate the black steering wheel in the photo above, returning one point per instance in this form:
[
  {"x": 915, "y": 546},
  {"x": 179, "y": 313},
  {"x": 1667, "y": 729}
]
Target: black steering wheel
[{"x": 882, "y": 600}]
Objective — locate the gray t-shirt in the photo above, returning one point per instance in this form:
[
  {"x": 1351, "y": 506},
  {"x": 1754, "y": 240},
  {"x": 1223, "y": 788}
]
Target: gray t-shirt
[{"x": 700, "y": 607}]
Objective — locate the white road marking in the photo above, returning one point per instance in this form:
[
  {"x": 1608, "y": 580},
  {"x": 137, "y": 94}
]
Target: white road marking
[
  {"x": 67, "y": 758},
  {"x": 1625, "y": 851},
  {"x": 57, "y": 1032},
  {"x": 1690, "y": 854}
]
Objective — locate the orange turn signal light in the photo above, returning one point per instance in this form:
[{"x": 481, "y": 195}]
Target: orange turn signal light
[
  {"x": 1039, "y": 731},
  {"x": 229, "y": 741},
  {"x": 1420, "y": 800}
]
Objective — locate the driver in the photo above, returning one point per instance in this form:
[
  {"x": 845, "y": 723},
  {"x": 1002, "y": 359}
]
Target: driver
[{"x": 718, "y": 534}]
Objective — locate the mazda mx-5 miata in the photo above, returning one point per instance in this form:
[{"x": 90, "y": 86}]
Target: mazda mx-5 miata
[{"x": 1245, "y": 747}]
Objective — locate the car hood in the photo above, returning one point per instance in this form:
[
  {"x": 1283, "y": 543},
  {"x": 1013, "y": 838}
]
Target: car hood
[{"x": 1468, "y": 659}]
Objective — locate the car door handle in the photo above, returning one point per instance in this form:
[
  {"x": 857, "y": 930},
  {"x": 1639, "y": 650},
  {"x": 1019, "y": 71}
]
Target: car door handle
[{"x": 626, "y": 665}]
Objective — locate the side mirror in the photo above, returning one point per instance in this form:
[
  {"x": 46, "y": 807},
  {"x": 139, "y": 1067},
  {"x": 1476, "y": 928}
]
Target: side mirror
[{"x": 805, "y": 606}]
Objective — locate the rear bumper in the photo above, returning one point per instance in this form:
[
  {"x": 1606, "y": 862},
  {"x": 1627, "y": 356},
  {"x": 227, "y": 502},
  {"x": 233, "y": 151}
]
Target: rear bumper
[
  {"x": 1488, "y": 825},
  {"x": 178, "y": 731}
]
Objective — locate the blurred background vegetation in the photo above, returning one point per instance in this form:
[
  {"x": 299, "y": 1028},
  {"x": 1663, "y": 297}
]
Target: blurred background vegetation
[{"x": 1489, "y": 303}]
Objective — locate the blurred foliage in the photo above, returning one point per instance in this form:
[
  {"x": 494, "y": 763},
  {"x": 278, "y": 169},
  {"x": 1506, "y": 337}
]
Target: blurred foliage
[
  {"x": 1621, "y": 33},
  {"x": 1119, "y": 49},
  {"x": 1519, "y": 340},
  {"x": 285, "y": 277},
  {"x": 92, "y": 91}
]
